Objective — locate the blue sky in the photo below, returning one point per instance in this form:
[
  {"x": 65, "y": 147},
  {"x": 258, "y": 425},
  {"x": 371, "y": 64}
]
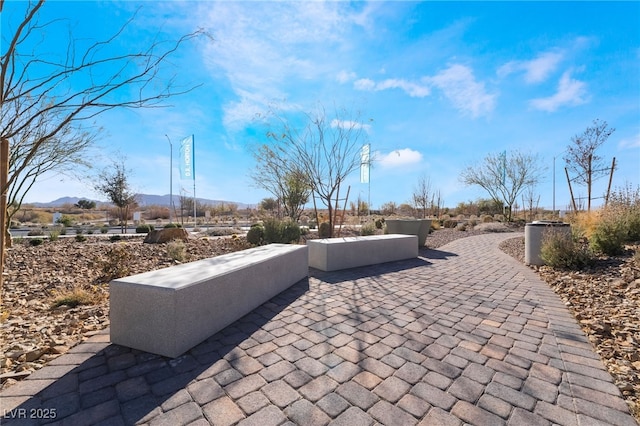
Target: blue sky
[{"x": 444, "y": 84}]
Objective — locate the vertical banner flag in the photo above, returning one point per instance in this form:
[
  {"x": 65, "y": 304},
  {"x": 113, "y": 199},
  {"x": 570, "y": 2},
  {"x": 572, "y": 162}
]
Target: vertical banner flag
[
  {"x": 187, "y": 163},
  {"x": 364, "y": 164}
]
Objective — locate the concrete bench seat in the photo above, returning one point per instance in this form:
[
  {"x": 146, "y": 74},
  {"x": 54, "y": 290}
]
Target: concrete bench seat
[
  {"x": 332, "y": 254},
  {"x": 169, "y": 311}
]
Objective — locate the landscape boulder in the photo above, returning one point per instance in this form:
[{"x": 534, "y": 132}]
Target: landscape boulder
[{"x": 160, "y": 236}]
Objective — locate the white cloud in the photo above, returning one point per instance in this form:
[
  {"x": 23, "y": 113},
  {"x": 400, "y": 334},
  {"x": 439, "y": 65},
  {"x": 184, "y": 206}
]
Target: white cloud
[
  {"x": 345, "y": 76},
  {"x": 399, "y": 158},
  {"x": 414, "y": 90},
  {"x": 536, "y": 70},
  {"x": 456, "y": 82},
  {"x": 364, "y": 84},
  {"x": 570, "y": 92},
  {"x": 348, "y": 124},
  {"x": 461, "y": 88},
  {"x": 263, "y": 48},
  {"x": 630, "y": 143}
]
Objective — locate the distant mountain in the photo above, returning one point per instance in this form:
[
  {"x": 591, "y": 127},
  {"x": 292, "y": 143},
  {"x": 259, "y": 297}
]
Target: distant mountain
[
  {"x": 143, "y": 200},
  {"x": 64, "y": 200}
]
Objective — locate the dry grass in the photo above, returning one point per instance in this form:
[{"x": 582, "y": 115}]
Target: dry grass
[{"x": 77, "y": 295}]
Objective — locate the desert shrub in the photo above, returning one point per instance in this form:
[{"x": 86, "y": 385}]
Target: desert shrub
[
  {"x": 65, "y": 220},
  {"x": 144, "y": 228},
  {"x": 608, "y": 236},
  {"x": 35, "y": 232},
  {"x": 115, "y": 238},
  {"x": 116, "y": 263},
  {"x": 104, "y": 229},
  {"x": 379, "y": 223},
  {"x": 281, "y": 231},
  {"x": 255, "y": 235},
  {"x": 462, "y": 227},
  {"x": 472, "y": 222},
  {"x": 36, "y": 241},
  {"x": 624, "y": 203},
  {"x": 435, "y": 225},
  {"x": 172, "y": 225},
  {"x": 222, "y": 232},
  {"x": 54, "y": 234},
  {"x": 368, "y": 229},
  {"x": 176, "y": 250},
  {"x": 560, "y": 250},
  {"x": 79, "y": 231},
  {"x": 81, "y": 238},
  {"x": 448, "y": 223},
  {"x": 74, "y": 297},
  {"x": 290, "y": 232},
  {"x": 324, "y": 230},
  {"x": 485, "y": 218}
]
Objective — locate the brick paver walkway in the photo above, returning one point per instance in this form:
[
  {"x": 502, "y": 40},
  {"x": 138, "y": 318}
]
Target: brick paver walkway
[{"x": 461, "y": 335}]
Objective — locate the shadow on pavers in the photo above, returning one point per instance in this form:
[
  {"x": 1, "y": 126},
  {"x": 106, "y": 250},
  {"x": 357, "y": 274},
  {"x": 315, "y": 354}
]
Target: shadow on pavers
[
  {"x": 428, "y": 253},
  {"x": 120, "y": 381},
  {"x": 369, "y": 271}
]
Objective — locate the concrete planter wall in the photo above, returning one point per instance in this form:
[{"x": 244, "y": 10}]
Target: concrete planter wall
[
  {"x": 425, "y": 227},
  {"x": 419, "y": 227}
]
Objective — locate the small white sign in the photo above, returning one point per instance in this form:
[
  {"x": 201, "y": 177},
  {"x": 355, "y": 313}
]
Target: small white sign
[{"x": 56, "y": 217}]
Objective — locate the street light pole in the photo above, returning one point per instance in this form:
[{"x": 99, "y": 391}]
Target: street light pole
[
  {"x": 554, "y": 186},
  {"x": 170, "y": 179}
]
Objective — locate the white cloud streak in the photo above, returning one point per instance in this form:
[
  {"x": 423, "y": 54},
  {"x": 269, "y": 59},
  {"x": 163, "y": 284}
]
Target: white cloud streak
[
  {"x": 457, "y": 83},
  {"x": 465, "y": 93},
  {"x": 536, "y": 70},
  {"x": 570, "y": 92},
  {"x": 414, "y": 90},
  {"x": 630, "y": 143}
]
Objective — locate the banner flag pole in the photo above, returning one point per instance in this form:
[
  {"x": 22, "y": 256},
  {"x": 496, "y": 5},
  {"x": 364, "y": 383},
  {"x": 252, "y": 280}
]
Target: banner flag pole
[{"x": 193, "y": 167}]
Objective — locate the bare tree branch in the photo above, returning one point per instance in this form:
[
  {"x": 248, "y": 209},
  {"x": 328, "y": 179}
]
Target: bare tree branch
[{"x": 47, "y": 103}]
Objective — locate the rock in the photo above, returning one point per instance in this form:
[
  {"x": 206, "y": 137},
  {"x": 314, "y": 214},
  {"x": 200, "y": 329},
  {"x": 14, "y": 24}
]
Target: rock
[{"x": 160, "y": 236}]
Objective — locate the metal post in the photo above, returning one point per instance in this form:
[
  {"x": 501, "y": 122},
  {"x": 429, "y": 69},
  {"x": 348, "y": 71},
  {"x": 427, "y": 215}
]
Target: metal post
[
  {"x": 170, "y": 179},
  {"x": 193, "y": 171},
  {"x": 554, "y": 186}
]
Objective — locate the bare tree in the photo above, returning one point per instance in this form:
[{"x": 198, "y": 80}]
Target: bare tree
[
  {"x": 47, "y": 103},
  {"x": 530, "y": 202},
  {"x": 283, "y": 178},
  {"x": 422, "y": 194},
  {"x": 325, "y": 151},
  {"x": 114, "y": 184},
  {"x": 581, "y": 157},
  {"x": 504, "y": 176}
]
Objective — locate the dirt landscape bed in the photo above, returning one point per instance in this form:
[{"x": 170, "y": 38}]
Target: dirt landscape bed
[{"x": 41, "y": 321}]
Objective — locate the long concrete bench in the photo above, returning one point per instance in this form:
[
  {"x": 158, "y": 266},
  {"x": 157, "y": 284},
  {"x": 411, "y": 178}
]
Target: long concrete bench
[
  {"x": 169, "y": 311},
  {"x": 332, "y": 254}
]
